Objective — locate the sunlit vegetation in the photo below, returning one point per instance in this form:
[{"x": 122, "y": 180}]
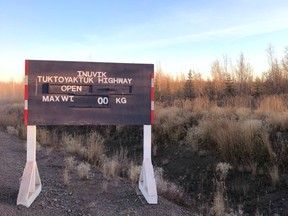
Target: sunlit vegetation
[
  {"x": 226, "y": 80},
  {"x": 11, "y": 92},
  {"x": 237, "y": 115}
]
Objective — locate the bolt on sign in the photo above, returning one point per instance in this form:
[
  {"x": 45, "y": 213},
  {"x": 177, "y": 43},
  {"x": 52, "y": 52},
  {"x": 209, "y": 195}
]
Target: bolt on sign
[{"x": 88, "y": 93}]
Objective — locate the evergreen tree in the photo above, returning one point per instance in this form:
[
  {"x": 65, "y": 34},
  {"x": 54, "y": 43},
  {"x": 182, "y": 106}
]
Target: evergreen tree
[
  {"x": 188, "y": 87},
  {"x": 229, "y": 87},
  {"x": 257, "y": 88}
]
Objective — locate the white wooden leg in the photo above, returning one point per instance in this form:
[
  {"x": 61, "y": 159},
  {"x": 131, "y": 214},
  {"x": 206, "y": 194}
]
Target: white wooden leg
[
  {"x": 30, "y": 184},
  {"x": 147, "y": 183}
]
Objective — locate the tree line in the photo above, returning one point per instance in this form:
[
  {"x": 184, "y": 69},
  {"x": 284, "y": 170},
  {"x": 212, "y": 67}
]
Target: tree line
[
  {"x": 11, "y": 91},
  {"x": 226, "y": 80}
]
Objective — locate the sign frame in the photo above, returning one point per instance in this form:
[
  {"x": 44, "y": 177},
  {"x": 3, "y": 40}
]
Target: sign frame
[
  {"x": 31, "y": 185},
  {"x": 88, "y": 93}
]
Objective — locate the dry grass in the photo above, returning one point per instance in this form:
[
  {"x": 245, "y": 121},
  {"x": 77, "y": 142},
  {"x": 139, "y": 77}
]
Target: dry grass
[
  {"x": 243, "y": 113},
  {"x": 274, "y": 174},
  {"x": 220, "y": 195},
  {"x": 242, "y": 136},
  {"x": 105, "y": 185},
  {"x": 43, "y": 136},
  {"x": 95, "y": 148},
  {"x": 70, "y": 163},
  {"x": 271, "y": 104},
  {"x": 218, "y": 203},
  {"x": 201, "y": 104},
  {"x": 12, "y": 130},
  {"x": 238, "y": 141},
  {"x": 11, "y": 117},
  {"x": 66, "y": 177},
  {"x": 83, "y": 170},
  {"x": 73, "y": 144},
  {"x": 278, "y": 120},
  {"x": 166, "y": 188},
  {"x": 169, "y": 124},
  {"x": 115, "y": 166},
  {"x": 110, "y": 168},
  {"x": 134, "y": 172},
  {"x": 119, "y": 165},
  {"x": 10, "y": 114}
]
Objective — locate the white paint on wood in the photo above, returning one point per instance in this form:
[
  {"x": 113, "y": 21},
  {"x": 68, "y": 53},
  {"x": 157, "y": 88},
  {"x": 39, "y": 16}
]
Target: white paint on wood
[
  {"x": 30, "y": 184},
  {"x": 31, "y": 143},
  {"x": 147, "y": 182}
]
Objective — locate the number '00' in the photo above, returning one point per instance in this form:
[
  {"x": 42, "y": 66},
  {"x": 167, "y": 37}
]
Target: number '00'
[{"x": 103, "y": 100}]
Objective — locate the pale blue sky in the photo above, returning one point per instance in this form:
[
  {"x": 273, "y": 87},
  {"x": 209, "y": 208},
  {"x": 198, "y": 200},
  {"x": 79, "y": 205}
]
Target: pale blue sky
[{"x": 180, "y": 35}]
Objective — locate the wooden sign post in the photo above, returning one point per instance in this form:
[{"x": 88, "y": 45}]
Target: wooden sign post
[
  {"x": 147, "y": 183},
  {"x": 31, "y": 184}
]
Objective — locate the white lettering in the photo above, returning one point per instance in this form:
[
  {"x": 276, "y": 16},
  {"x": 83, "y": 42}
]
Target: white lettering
[
  {"x": 73, "y": 88},
  {"x": 91, "y": 74},
  {"x": 67, "y": 98},
  {"x": 103, "y": 100},
  {"x": 105, "y": 80},
  {"x": 45, "y": 98},
  {"x": 63, "y": 79},
  {"x": 58, "y": 98},
  {"x": 121, "y": 100}
]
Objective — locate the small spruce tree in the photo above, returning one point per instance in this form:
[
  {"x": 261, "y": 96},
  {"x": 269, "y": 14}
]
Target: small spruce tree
[
  {"x": 256, "y": 88},
  {"x": 229, "y": 87},
  {"x": 188, "y": 87}
]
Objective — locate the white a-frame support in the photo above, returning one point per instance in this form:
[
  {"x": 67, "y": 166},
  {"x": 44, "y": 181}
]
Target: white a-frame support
[
  {"x": 30, "y": 184},
  {"x": 147, "y": 183}
]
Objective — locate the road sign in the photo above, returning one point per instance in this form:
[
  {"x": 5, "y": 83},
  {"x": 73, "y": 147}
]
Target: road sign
[{"x": 88, "y": 93}]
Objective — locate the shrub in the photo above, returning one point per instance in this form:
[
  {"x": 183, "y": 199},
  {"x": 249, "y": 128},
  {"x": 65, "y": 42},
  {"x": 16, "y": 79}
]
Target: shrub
[
  {"x": 110, "y": 168},
  {"x": 83, "y": 170},
  {"x": 73, "y": 144},
  {"x": 171, "y": 125},
  {"x": 66, "y": 178},
  {"x": 134, "y": 172},
  {"x": 168, "y": 189},
  {"x": 274, "y": 174},
  {"x": 70, "y": 163},
  {"x": 95, "y": 148},
  {"x": 271, "y": 104}
]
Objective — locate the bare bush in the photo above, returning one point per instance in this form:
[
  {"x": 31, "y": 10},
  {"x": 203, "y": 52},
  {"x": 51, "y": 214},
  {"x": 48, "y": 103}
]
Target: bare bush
[
  {"x": 95, "y": 148},
  {"x": 12, "y": 130},
  {"x": 110, "y": 168},
  {"x": 70, "y": 163},
  {"x": 43, "y": 136},
  {"x": 220, "y": 196},
  {"x": 274, "y": 174},
  {"x": 134, "y": 172},
  {"x": 66, "y": 177},
  {"x": 10, "y": 114},
  {"x": 83, "y": 170},
  {"x": 73, "y": 144},
  {"x": 271, "y": 104},
  {"x": 168, "y": 189},
  {"x": 169, "y": 124}
]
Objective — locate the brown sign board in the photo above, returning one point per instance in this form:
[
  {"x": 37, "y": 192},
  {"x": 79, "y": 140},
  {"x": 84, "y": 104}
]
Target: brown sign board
[{"x": 88, "y": 93}]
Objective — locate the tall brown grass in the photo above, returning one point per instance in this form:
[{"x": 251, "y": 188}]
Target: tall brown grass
[
  {"x": 95, "y": 148},
  {"x": 11, "y": 116},
  {"x": 248, "y": 134},
  {"x": 270, "y": 104},
  {"x": 83, "y": 170}
]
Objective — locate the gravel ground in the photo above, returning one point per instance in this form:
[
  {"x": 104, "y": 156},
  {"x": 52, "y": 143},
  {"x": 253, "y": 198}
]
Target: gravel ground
[{"x": 95, "y": 196}]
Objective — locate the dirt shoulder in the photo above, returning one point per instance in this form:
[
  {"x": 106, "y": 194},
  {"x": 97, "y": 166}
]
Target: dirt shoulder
[{"x": 95, "y": 196}]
